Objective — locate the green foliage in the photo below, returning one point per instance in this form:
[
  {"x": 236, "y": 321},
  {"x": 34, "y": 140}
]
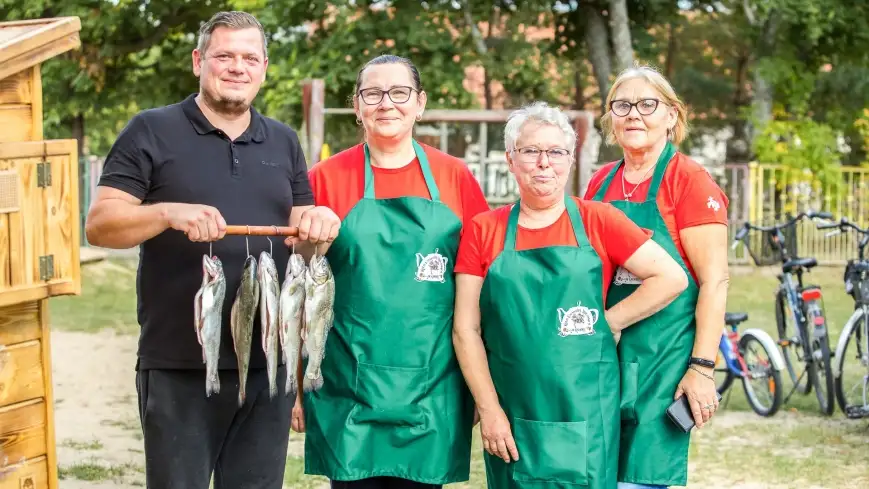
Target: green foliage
[{"x": 801, "y": 144}]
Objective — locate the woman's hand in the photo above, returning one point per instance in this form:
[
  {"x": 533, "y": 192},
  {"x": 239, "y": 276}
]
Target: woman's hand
[
  {"x": 701, "y": 393},
  {"x": 497, "y": 436}
]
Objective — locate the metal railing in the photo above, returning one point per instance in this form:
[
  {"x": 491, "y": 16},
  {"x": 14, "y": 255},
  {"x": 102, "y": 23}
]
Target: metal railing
[{"x": 764, "y": 193}]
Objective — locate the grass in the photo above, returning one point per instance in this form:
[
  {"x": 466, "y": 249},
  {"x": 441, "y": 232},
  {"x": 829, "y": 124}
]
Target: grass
[
  {"x": 94, "y": 471},
  {"x": 798, "y": 447},
  {"x": 107, "y": 301},
  {"x": 83, "y": 445}
]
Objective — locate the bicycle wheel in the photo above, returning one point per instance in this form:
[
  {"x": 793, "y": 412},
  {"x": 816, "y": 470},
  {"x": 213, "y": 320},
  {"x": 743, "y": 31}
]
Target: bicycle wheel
[
  {"x": 852, "y": 372},
  {"x": 789, "y": 342},
  {"x": 762, "y": 383},
  {"x": 820, "y": 366}
]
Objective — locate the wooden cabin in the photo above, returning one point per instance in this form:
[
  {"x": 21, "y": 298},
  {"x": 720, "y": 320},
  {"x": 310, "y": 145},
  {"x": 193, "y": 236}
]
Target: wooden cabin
[{"x": 39, "y": 248}]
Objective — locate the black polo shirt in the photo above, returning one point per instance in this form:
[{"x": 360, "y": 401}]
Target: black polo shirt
[{"x": 174, "y": 154}]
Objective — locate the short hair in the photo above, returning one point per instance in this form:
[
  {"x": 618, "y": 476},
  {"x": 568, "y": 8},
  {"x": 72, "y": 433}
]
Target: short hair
[
  {"x": 541, "y": 113},
  {"x": 654, "y": 78},
  {"x": 232, "y": 20},
  {"x": 389, "y": 59}
]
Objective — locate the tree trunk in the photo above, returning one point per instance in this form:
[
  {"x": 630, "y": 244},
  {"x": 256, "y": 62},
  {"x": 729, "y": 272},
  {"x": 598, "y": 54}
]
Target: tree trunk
[
  {"x": 481, "y": 48},
  {"x": 621, "y": 32},
  {"x": 597, "y": 39},
  {"x": 672, "y": 49},
  {"x": 738, "y": 149},
  {"x": 578, "y": 95},
  {"x": 763, "y": 89},
  {"x": 76, "y": 127}
]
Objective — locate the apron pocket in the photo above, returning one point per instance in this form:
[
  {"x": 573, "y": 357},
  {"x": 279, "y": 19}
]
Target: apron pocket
[
  {"x": 630, "y": 379},
  {"x": 551, "y": 451},
  {"x": 390, "y": 395}
]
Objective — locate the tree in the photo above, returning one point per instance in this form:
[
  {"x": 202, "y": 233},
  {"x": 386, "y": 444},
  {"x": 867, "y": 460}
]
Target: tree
[{"x": 122, "y": 63}]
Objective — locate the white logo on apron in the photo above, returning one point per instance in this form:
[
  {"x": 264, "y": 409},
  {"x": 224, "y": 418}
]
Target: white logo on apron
[
  {"x": 430, "y": 268},
  {"x": 624, "y": 277},
  {"x": 578, "y": 320}
]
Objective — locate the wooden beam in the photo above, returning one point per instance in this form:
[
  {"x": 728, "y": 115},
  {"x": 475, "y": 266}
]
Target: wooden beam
[
  {"x": 50, "y": 437},
  {"x": 39, "y": 54},
  {"x": 36, "y": 102},
  {"x": 458, "y": 115},
  {"x": 317, "y": 119},
  {"x": 51, "y": 31}
]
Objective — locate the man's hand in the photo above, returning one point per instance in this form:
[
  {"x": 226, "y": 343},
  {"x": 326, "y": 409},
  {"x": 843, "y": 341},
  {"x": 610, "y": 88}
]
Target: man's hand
[
  {"x": 298, "y": 415},
  {"x": 317, "y": 225},
  {"x": 198, "y": 222}
]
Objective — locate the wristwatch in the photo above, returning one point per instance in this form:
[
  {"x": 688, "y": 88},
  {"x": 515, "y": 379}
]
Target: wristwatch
[{"x": 701, "y": 362}]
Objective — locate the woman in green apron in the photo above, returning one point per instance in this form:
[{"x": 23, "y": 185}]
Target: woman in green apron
[
  {"x": 673, "y": 352},
  {"x": 394, "y": 411},
  {"x": 535, "y": 343}
]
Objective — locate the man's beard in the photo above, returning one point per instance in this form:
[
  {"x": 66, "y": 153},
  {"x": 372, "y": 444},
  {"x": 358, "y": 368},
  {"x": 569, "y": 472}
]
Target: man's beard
[{"x": 222, "y": 105}]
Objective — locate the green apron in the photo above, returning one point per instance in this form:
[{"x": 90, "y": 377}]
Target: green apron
[
  {"x": 394, "y": 402},
  {"x": 554, "y": 364},
  {"x": 654, "y": 355}
]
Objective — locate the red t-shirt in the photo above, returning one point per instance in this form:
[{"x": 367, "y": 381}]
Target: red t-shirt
[
  {"x": 688, "y": 196},
  {"x": 339, "y": 182},
  {"x": 612, "y": 235}
]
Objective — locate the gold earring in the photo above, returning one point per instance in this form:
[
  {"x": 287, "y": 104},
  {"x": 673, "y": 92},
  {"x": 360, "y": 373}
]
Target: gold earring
[
  {"x": 419, "y": 117},
  {"x": 358, "y": 121}
]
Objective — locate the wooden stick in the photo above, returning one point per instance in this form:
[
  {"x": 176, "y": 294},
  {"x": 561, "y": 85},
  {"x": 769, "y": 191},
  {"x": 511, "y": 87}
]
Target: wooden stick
[{"x": 262, "y": 230}]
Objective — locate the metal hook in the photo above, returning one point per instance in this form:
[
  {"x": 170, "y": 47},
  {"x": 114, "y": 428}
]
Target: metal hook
[
  {"x": 270, "y": 245},
  {"x": 247, "y": 245},
  {"x": 210, "y": 249}
]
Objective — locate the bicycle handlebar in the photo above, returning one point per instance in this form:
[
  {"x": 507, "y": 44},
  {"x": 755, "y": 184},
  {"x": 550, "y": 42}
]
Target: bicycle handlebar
[
  {"x": 843, "y": 224},
  {"x": 810, "y": 214}
]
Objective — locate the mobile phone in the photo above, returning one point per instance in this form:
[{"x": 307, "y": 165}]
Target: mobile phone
[{"x": 680, "y": 413}]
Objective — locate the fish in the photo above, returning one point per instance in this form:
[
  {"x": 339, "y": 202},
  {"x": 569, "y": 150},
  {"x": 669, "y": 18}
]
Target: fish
[
  {"x": 291, "y": 302},
  {"x": 208, "y": 314},
  {"x": 267, "y": 274},
  {"x": 242, "y": 316},
  {"x": 319, "y": 300}
]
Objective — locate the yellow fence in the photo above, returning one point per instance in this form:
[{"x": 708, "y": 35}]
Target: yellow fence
[{"x": 765, "y": 194}]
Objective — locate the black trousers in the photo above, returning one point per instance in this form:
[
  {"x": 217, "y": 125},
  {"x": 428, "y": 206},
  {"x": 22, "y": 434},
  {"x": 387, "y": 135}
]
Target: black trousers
[
  {"x": 383, "y": 483},
  {"x": 189, "y": 436}
]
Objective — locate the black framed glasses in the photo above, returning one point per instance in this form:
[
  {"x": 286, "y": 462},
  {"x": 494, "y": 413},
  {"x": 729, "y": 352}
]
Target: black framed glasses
[
  {"x": 646, "y": 106},
  {"x": 398, "y": 95}
]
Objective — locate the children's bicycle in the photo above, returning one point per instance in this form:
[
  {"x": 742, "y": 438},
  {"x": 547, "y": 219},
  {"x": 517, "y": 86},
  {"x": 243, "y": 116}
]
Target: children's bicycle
[
  {"x": 799, "y": 308},
  {"x": 851, "y": 366},
  {"x": 755, "y": 359}
]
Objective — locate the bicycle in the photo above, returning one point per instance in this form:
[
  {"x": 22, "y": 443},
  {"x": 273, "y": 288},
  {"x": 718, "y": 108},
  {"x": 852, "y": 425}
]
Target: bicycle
[
  {"x": 804, "y": 341},
  {"x": 856, "y": 280},
  {"x": 760, "y": 374}
]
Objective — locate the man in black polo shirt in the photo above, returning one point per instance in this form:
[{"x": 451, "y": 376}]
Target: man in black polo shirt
[{"x": 172, "y": 181}]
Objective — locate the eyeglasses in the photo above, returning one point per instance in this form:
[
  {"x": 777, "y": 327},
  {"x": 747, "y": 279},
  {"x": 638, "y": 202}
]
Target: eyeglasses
[
  {"x": 530, "y": 154},
  {"x": 646, "y": 106},
  {"x": 398, "y": 95}
]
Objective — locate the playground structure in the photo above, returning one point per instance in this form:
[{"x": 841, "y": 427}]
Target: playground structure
[
  {"x": 39, "y": 248},
  {"x": 486, "y": 160}
]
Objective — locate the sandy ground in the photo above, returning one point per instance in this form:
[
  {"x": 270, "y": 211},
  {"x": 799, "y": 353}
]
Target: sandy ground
[
  {"x": 96, "y": 411},
  {"x": 97, "y": 419}
]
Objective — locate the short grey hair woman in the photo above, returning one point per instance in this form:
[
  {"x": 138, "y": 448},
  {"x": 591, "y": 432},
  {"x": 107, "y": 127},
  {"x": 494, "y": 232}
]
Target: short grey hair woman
[{"x": 536, "y": 345}]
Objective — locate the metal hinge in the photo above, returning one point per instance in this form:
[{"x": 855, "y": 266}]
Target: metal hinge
[
  {"x": 46, "y": 267},
  {"x": 43, "y": 174}
]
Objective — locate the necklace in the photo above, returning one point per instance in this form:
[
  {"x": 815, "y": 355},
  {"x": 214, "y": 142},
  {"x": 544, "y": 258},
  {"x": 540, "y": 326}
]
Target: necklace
[{"x": 628, "y": 195}]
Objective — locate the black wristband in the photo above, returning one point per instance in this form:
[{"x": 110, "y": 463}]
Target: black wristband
[{"x": 702, "y": 362}]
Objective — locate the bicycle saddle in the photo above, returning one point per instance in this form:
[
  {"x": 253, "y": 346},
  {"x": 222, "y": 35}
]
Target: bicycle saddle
[
  {"x": 799, "y": 263},
  {"x": 734, "y": 318}
]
